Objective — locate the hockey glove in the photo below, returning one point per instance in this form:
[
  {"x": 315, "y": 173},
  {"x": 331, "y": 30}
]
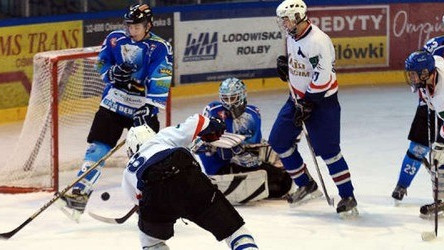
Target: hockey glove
[
  {"x": 282, "y": 67},
  {"x": 437, "y": 153},
  {"x": 228, "y": 153},
  {"x": 120, "y": 75},
  {"x": 145, "y": 115},
  {"x": 302, "y": 112},
  {"x": 213, "y": 131},
  {"x": 246, "y": 160}
]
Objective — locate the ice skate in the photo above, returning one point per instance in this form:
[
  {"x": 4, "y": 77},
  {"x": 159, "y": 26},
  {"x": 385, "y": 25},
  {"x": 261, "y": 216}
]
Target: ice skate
[
  {"x": 304, "y": 194},
  {"x": 428, "y": 211},
  {"x": 347, "y": 207},
  {"x": 398, "y": 194},
  {"x": 73, "y": 205}
]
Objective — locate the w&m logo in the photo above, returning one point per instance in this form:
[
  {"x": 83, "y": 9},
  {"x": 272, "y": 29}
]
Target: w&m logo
[{"x": 203, "y": 47}]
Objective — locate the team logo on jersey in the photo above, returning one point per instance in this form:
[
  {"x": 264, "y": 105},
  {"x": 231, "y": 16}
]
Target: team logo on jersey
[
  {"x": 202, "y": 47},
  {"x": 113, "y": 42},
  {"x": 314, "y": 61}
]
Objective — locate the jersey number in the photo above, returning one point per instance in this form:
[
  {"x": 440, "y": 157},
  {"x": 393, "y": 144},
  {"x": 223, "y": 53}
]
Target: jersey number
[{"x": 135, "y": 162}]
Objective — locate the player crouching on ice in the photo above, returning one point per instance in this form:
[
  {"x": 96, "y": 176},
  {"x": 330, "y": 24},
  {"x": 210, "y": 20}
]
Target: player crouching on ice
[
  {"x": 241, "y": 164},
  {"x": 166, "y": 182},
  {"x": 425, "y": 73}
]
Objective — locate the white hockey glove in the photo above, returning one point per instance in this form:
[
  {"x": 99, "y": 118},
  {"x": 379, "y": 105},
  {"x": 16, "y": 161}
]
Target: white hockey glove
[
  {"x": 247, "y": 160},
  {"x": 437, "y": 154}
]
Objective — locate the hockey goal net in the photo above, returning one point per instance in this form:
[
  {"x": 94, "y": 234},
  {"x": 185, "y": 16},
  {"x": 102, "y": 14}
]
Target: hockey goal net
[{"x": 66, "y": 92}]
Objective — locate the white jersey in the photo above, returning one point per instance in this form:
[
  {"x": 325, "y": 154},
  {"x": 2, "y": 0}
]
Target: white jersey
[
  {"x": 436, "y": 99},
  {"x": 311, "y": 59},
  {"x": 181, "y": 135}
]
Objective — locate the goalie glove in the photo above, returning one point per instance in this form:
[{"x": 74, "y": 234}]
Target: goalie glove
[
  {"x": 144, "y": 115},
  {"x": 120, "y": 75},
  {"x": 282, "y": 67},
  {"x": 302, "y": 112},
  {"x": 437, "y": 154}
]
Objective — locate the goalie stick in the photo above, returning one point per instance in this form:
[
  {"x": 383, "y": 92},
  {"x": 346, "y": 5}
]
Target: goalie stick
[
  {"x": 57, "y": 195},
  {"x": 330, "y": 200},
  {"x": 119, "y": 220}
]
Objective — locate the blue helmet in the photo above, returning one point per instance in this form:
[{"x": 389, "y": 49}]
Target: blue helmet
[{"x": 419, "y": 66}]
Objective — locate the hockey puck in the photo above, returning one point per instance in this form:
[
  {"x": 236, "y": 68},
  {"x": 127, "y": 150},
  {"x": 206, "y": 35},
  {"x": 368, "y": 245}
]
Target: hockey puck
[{"x": 105, "y": 196}]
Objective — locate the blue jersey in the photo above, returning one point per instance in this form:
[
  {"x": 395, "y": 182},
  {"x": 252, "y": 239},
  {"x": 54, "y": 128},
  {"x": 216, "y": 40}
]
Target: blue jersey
[
  {"x": 153, "y": 61},
  {"x": 248, "y": 124},
  {"x": 435, "y": 46}
]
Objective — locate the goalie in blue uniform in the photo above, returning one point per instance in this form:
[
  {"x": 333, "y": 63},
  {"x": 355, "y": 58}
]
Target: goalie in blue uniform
[
  {"x": 245, "y": 161},
  {"x": 136, "y": 66}
]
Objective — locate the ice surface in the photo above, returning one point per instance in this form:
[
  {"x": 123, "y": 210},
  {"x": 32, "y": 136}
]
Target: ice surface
[{"x": 375, "y": 123}]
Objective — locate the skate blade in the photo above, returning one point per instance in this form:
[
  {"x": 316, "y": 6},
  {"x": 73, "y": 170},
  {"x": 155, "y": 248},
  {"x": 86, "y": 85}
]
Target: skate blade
[
  {"x": 72, "y": 214},
  {"x": 309, "y": 197},
  {"x": 350, "y": 214}
]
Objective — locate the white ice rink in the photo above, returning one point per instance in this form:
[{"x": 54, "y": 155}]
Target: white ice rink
[{"x": 375, "y": 123}]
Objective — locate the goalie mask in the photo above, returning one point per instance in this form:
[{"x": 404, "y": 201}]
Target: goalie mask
[
  {"x": 136, "y": 137},
  {"x": 419, "y": 66},
  {"x": 138, "y": 20},
  {"x": 289, "y": 14},
  {"x": 233, "y": 95}
]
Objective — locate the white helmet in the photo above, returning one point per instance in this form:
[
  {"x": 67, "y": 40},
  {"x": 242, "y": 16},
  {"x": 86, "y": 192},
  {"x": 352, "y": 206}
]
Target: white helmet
[
  {"x": 136, "y": 136},
  {"x": 289, "y": 8}
]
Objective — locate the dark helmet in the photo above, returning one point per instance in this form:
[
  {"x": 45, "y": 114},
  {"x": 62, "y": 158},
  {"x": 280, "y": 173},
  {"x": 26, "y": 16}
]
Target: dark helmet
[
  {"x": 419, "y": 66},
  {"x": 138, "y": 13}
]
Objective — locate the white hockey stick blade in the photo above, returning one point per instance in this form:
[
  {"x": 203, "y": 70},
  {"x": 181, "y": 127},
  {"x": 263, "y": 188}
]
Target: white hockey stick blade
[
  {"x": 120, "y": 220},
  {"x": 428, "y": 236}
]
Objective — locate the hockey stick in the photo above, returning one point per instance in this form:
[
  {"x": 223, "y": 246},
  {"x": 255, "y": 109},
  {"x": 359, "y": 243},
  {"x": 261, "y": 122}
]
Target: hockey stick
[
  {"x": 57, "y": 195},
  {"x": 114, "y": 220},
  {"x": 330, "y": 200},
  {"x": 428, "y": 236}
]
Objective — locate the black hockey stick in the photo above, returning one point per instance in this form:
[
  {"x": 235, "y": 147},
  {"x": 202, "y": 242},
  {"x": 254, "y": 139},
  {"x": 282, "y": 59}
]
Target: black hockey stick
[
  {"x": 57, "y": 195},
  {"x": 114, "y": 220},
  {"x": 330, "y": 200}
]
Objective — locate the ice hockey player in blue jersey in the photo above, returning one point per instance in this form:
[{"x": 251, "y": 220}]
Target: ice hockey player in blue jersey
[
  {"x": 223, "y": 165},
  {"x": 419, "y": 144},
  {"x": 308, "y": 68},
  {"x": 136, "y": 66}
]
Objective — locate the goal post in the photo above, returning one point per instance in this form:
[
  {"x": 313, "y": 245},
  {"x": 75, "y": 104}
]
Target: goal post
[{"x": 66, "y": 92}]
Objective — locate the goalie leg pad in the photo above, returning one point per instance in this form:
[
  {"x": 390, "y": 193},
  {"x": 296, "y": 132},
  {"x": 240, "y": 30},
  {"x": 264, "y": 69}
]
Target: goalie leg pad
[{"x": 242, "y": 187}]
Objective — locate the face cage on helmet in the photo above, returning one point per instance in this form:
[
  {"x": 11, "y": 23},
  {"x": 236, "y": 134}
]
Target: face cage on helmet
[
  {"x": 234, "y": 102},
  {"x": 416, "y": 81}
]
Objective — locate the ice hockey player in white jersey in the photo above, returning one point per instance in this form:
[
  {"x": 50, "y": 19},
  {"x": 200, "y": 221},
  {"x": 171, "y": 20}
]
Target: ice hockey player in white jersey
[
  {"x": 166, "y": 182},
  {"x": 308, "y": 67},
  {"x": 419, "y": 144},
  {"x": 425, "y": 73}
]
